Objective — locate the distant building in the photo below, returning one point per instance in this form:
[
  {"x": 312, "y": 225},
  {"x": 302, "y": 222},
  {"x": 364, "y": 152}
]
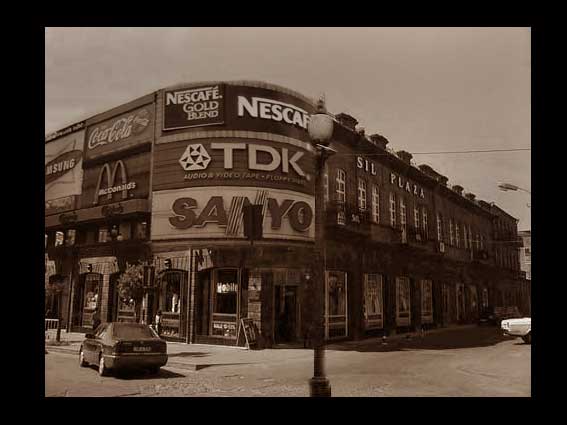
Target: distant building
[{"x": 526, "y": 252}]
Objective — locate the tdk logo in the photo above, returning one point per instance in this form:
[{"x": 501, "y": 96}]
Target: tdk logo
[
  {"x": 196, "y": 158},
  {"x": 274, "y": 110}
]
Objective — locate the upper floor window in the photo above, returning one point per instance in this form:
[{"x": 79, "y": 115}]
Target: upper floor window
[
  {"x": 482, "y": 242},
  {"x": 457, "y": 236},
  {"x": 424, "y": 219},
  {"x": 392, "y": 209},
  {"x": 375, "y": 204},
  {"x": 439, "y": 227},
  {"x": 416, "y": 216},
  {"x": 103, "y": 235},
  {"x": 341, "y": 185},
  {"x": 70, "y": 239},
  {"x": 403, "y": 216},
  {"x": 451, "y": 234},
  {"x": 527, "y": 251},
  {"x": 470, "y": 238},
  {"x": 465, "y": 237},
  {"x": 59, "y": 238},
  {"x": 362, "y": 194}
]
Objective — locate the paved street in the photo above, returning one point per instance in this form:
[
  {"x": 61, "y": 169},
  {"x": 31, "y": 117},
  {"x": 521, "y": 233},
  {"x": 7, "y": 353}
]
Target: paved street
[{"x": 462, "y": 362}]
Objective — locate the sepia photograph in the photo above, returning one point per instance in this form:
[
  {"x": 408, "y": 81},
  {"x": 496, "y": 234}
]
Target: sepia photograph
[{"x": 288, "y": 211}]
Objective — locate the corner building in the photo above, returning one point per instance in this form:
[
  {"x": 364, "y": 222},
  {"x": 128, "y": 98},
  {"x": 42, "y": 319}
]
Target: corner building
[{"x": 404, "y": 251}]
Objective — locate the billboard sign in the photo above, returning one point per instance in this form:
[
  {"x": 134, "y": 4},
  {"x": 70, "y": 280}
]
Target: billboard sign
[
  {"x": 120, "y": 133},
  {"x": 233, "y": 162},
  {"x": 216, "y": 212},
  {"x": 116, "y": 181},
  {"x": 63, "y": 170},
  {"x": 236, "y": 107},
  {"x": 193, "y": 107}
]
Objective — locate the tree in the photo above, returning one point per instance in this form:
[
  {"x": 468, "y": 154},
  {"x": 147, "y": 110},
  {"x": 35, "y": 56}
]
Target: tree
[
  {"x": 131, "y": 287},
  {"x": 55, "y": 288}
]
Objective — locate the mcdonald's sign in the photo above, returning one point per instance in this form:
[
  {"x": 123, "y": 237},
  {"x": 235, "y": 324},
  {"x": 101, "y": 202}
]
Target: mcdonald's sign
[{"x": 112, "y": 186}]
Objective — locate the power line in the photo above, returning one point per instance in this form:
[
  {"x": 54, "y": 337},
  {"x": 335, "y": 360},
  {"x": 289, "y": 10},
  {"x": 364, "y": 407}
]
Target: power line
[{"x": 437, "y": 152}]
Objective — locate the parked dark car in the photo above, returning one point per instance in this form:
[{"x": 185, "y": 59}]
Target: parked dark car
[{"x": 118, "y": 345}]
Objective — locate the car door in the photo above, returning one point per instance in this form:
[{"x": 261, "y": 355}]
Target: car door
[{"x": 94, "y": 345}]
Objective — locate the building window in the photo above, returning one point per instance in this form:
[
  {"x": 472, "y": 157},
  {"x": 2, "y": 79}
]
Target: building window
[
  {"x": 403, "y": 305},
  {"x": 392, "y": 209},
  {"x": 403, "y": 220},
  {"x": 465, "y": 237},
  {"x": 341, "y": 186},
  {"x": 527, "y": 252},
  {"x": 416, "y": 217},
  {"x": 457, "y": 235},
  {"x": 225, "y": 303},
  {"x": 482, "y": 242},
  {"x": 362, "y": 194},
  {"x": 451, "y": 235},
  {"x": 426, "y": 301},
  {"x": 425, "y": 226},
  {"x": 91, "y": 297},
  {"x": 103, "y": 235},
  {"x": 70, "y": 239},
  {"x": 59, "y": 238},
  {"x": 336, "y": 317},
  {"x": 470, "y": 238},
  {"x": 439, "y": 227},
  {"x": 478, "y": 241},
  {"x": 375, "y": 204},
  {"x": 373, "y": 301}
]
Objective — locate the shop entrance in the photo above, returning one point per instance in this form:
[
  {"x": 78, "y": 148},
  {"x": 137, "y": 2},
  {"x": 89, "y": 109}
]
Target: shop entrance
[
  {"x": 286, "y": 314},
  {"x": 170, "y": 300}
]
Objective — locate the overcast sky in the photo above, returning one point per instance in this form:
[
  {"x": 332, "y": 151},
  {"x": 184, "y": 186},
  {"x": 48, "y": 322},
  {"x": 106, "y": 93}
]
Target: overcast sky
[{"x": 424, "y": 89}]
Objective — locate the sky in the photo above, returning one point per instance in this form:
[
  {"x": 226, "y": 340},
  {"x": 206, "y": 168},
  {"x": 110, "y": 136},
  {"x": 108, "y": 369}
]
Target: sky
[{"x": 424, "y": 89}]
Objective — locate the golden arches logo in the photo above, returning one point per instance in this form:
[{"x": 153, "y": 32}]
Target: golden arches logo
[{"x": 111, "y": 180}]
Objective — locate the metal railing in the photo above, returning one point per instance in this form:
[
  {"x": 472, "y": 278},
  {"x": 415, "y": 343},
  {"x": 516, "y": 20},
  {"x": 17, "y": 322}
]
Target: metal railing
[{"x": 51, "y": 324}]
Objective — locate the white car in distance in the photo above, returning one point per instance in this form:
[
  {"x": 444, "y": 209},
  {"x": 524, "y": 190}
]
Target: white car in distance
[{"x": 518, "y": 327}]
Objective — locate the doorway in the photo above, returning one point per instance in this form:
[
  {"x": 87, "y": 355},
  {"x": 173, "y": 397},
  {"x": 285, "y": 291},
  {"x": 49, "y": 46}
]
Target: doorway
[{"x": 286, "y": 308}]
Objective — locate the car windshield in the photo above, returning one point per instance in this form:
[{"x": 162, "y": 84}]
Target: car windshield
[{"x": 132, "y": 331}]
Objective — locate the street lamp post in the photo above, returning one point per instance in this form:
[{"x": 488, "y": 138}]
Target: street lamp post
[
  {"x": 508, "y": 186},
  {"x": 320, "y": 130},
  {"x": 505, "y": 187}
]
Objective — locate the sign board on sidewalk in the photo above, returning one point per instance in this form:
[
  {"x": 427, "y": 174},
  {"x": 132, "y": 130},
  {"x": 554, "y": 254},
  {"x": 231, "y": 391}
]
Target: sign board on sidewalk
[{"x": 247, "y": 326}]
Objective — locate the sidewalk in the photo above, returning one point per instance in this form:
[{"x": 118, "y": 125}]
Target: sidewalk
[{"x": 199, "y": 356}]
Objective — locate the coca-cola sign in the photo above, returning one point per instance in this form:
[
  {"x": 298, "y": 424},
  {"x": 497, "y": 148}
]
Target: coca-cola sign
[{"x": 119, "y": 133}]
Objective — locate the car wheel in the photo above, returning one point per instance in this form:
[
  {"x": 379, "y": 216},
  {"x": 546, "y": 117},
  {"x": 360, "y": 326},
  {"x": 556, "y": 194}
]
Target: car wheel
[
  {"x": 527, "y": 338},
  {"x": 154, "y": 370},
  {"x": 102, "y": 369},
  {"x": 82, "y": 361}
]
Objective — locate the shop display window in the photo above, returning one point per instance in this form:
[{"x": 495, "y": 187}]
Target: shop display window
[
  {"x": 403, "y": 304},
  {"x": 91, "y": 297},
  {"x": 225, "y": 290},
  {"x": 426, "y": 301},
  {"x": 170, "y": 299},
  {"x": 373, "y": 301},
  {"x": 142, "y": 230},
  {"x": 484, "y": 298},
  {"x": 336, "y": 304}
]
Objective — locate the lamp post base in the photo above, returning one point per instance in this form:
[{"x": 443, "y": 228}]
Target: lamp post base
[{"x": 319, "y": 387}]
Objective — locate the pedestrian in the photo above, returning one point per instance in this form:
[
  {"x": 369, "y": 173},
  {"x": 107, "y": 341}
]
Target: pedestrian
[
  {"x": 158, "y": 322},
  {"x": 96, "y": 319}
]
